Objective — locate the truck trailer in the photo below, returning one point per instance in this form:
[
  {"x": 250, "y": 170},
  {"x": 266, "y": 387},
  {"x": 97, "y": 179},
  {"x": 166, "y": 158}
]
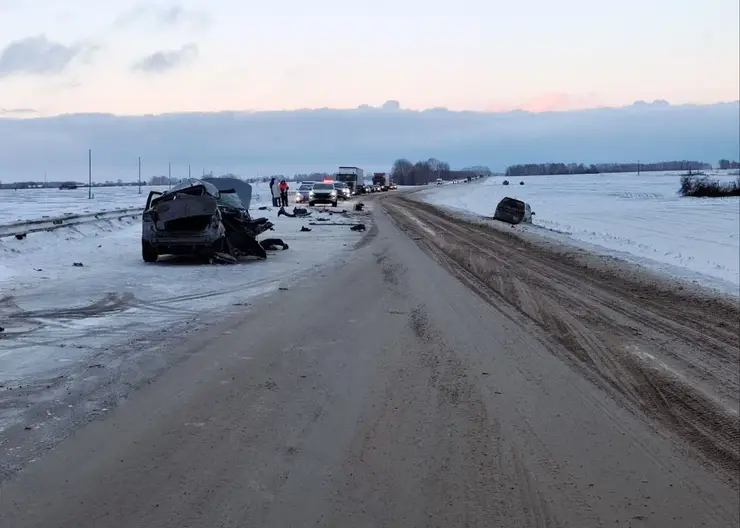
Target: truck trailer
[{"x": 354, "y": 177}]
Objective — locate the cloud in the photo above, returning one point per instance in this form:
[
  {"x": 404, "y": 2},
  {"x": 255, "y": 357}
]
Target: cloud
[
  {"x": 291, "y": 142},
  {"x": 17, "y": 111},
  {"x": 173, "y": 16},
  {"x": 163, "y": 61},
  {"x": 39, "y": 56},
  {"x": 558, "y": 102},
  {"x": 549, "y": 102}
]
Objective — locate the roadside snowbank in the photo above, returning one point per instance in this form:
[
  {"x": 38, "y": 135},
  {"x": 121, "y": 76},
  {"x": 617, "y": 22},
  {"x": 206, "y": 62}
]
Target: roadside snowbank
[{"x": 637, "y": 218}]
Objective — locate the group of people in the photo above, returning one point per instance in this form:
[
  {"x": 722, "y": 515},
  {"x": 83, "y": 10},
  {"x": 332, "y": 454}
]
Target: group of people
[{"x": 279, "y": 190}]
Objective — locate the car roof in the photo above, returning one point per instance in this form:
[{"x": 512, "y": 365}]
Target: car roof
[
  {"x": 512, "y": 201},
  {"x": 242, "y": 188}
]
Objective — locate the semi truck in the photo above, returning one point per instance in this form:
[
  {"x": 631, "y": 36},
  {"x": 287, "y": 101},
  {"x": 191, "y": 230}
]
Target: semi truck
[
  {"x": 380, "y": 179},
  {"x": 354, "y": 177}
]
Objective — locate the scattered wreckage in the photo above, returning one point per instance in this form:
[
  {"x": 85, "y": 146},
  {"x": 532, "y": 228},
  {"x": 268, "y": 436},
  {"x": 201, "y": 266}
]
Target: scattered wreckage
[{"x": 208, "y": 218}]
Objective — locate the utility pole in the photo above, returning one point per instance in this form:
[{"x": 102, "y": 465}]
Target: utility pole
[
  {"x": 139, "y": 174},
  {"x": 169, "y": 175},
  {"x": 188, "y": 171},
  {"x": 89, "y": 174}
]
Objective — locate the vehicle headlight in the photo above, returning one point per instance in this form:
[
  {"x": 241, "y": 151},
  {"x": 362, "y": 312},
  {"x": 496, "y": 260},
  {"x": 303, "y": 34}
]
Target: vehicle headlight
[
  {"x": 311, "y": 193},
  {"x": 334, "y": 193}
]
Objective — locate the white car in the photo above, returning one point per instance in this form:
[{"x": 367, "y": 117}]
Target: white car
[
  {"x": 303, "y": 192},
  {"x": 323, "y": 193},
  {"x": 343, "y": 191}
]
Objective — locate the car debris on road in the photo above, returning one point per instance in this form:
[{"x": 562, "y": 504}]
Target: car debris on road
[{"x": 297, "y": 212}]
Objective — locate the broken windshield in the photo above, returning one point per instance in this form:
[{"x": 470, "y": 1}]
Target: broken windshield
[{"x": 231, "y": 199}]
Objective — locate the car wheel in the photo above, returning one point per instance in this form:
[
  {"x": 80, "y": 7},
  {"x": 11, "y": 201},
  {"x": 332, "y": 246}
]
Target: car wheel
[
  {"x": 334, "y": 204},
  {"x": 148, "y": 252},
  {"x": 311, "y": 204}
]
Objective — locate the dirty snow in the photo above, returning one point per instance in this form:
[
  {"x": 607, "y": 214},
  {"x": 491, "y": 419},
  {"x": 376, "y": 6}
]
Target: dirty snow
[
  {"x": 640, "y": 219},
  {"x": 58, "y": 316}
]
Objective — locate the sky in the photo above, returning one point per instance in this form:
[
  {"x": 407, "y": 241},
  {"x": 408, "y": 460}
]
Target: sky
[
  {"x": 129, "y": 58},
  {"x": 304, "y": 141}
]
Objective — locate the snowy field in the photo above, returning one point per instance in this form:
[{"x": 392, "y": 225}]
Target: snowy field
[
  {"x": 32, "y": 204},
  {"x": 640, "y": 219},
  {"x": 60, "y": 317}
]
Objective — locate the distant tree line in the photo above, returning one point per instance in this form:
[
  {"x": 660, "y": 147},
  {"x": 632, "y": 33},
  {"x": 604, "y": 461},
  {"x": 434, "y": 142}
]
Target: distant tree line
[
  {"x": 537, "y": 169},
  {"x": 404, "y": 172},
  {"x": 727, "y": 164}
]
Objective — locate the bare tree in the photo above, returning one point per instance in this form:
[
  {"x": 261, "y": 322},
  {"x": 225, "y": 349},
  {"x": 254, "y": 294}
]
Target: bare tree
[{"x": 401, "y": 171}]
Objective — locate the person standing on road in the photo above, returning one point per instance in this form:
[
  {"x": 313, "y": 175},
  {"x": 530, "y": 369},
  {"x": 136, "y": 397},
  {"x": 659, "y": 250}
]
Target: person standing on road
[
  {"x": 275, "y": 190},
  {"x": 284, "y": 193}
]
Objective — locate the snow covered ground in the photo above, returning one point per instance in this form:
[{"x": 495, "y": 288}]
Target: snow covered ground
[
  {"x": 60, "y": 317},
  {"x": 32, "y": 204},
  {"x": 637, "y": 218}
]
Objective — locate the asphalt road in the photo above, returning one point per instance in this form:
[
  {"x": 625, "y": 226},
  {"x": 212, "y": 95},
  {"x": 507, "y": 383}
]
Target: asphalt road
[{"x": 453, "y": 377}]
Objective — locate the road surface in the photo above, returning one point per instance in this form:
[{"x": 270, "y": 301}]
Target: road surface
[{"x": 447, "y": 375}]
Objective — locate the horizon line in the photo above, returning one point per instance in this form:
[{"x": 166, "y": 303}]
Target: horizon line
[{"x": 31, "y": 114}]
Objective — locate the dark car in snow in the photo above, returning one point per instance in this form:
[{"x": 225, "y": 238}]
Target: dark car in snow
[
  {"x": 196, "y": 218},
  {"x": 513, "y": 211}
]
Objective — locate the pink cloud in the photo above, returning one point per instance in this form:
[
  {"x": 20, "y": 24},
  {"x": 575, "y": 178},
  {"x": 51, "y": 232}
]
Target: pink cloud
[{"x": 549, "y": 102}]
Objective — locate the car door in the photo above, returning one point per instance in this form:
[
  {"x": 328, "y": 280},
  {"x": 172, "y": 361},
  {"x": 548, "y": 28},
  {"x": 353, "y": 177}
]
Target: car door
[{"x": 152, "y": 195}]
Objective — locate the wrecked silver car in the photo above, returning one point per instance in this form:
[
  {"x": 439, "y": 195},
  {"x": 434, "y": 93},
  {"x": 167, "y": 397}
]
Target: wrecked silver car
[{"x": 196, "y": 218}]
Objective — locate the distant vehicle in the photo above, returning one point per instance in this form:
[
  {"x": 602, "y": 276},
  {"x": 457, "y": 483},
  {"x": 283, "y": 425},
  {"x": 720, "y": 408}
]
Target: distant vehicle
[
  {"x": 513, "y": 211},
  {"x": 301, "y": 195},
  {"x": 380, "y": 180},
  {"x": 68, "y": 186},
  {"x": 323, "y": 193},
  {"x": 352, "y": 176},
  {"x": 439, "y": 181},
  {"x": 393, "y": 187},
  {"x": 343, "y": 191}
]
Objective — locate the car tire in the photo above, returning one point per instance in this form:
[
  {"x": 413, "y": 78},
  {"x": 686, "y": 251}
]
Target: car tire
[
  {"x": 311, "y": 204},
  {"x": 148, "y": 252},
  {"x": 334, "y": 204}
]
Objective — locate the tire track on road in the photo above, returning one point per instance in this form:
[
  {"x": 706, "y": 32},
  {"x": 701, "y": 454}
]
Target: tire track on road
[{"x": 598, "y": 321}]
